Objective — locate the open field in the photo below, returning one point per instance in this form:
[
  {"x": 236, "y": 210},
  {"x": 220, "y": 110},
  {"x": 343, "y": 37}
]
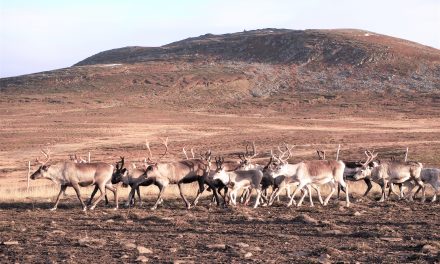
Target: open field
[{"x": 367, "y": 232}]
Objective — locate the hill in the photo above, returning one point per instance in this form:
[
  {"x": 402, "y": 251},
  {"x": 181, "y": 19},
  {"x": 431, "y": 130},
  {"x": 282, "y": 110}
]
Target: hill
[{"x": 270, "y": 69}]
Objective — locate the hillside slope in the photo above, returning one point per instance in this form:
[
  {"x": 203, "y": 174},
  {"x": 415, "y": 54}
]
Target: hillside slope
[{"x": 269, "y": 69}]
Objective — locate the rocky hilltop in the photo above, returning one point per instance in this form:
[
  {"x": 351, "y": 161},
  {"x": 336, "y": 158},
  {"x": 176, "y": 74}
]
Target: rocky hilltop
[{"x": 276, "y": 69}]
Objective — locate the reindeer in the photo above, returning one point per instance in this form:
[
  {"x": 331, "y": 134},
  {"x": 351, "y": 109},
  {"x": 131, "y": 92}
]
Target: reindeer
[
  {"x": 77, "y": 175},
  {"x": 178, "y": 172},
  {"x": 117, "y": 177},
  {"x": 429, "y": 176},
  {"x": 236, "y": 180},
  {"x": 216, "y": 183},
  {"x": 388, "y": 173},
  {"x": 308, "y": 174}
]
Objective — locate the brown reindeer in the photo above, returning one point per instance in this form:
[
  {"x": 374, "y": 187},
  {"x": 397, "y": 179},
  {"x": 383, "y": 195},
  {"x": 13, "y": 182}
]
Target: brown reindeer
[
  {"x": 178, "y": 172},
  {"x": 77, "y": 175}
]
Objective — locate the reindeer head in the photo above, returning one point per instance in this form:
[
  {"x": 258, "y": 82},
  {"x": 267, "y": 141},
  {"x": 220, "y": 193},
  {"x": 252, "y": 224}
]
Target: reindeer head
[
  {"x": 220, "y": 172},
  {"x": 120, "y": 172},
  {"x": 42, "y": 171},
  {"x": 367, "y": 166},
  {"x": 246, "y": 158}
]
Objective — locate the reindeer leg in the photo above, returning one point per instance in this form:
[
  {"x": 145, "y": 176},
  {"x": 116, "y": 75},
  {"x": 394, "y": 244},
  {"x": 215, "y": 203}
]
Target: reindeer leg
[
  {"x": 93, "y": 195},
  {"x": 201, "y": 189},
  {"x": 369, "y": 186},
  {"x": 131, "y": 195},
  {"x": 101, "y": 196},
  {"x": 179, "y": 184},
  {"x": 115, "y": 194},
  {"x": 257, "y": 200},
  {"x": 78, "y": 193},
  {"x": 305, "y": 192},
  {"x": 310, "y": 194},
  {"x": 274, "y": 195},
  {"x": 332, "y": 184},
  {"x": 300, "y": 186},
  {"x": 436, "y": 192},
  {"x": 383, "y": 185},
  {"x": 421, "y": 184},
  {"x": 159, "y": 197},
  {"x": 62, "y": 190},
  {"x": 138, "y": 191}
]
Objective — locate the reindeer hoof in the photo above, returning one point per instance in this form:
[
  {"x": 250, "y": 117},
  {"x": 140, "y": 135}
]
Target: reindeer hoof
[{"x": 53, "y": 209}]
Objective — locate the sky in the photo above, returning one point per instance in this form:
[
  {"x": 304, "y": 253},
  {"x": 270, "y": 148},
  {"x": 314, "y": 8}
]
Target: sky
[{"x": 44, "y": 35}]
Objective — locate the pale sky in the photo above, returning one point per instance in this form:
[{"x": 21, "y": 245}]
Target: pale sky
[{"x": 49, "y": 34}]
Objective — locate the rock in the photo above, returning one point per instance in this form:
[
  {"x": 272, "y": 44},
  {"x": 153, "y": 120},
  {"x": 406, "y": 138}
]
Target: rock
[
  {"x": 324, "y": 258},
  {"x": 110, "y": 221},
  {"x": 173, "y": 250},
  {"x": 129, "y": 245},
  {"x": 430, "y": 249},
  {"x": 124, "y": 256},
  {"x": 91, "y": 242},
  {"x": 255, "y": 249},
  {"x": 144, "y": 250},
  {"x": 356, "y": 213},
  {"x": 248, "y": 255},
  {"x": 58, "y": 232},
  {"x": 242, "y": 245},
  {"x": 304, "y": 218},
  {"x": 392, "y": 239},
  {"x": 332, "y": 232},
  {"x": 142, "y": 259},
  {"x": 216, "y": 246},
  {"x": 10, "y": 243}
]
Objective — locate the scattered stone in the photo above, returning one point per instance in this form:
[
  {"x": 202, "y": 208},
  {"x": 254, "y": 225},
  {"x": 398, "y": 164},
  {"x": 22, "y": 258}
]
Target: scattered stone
[
  {"x": 242, "y": 245},
  {"x": 248, "y": 255},
  {"x": 332, "y": 232},
  {"x": 10, "y": 243},
  {"x": 58, "y": 232},
  {"x": 173, "y": 250},
  {"x": 430, "y": 249},
  {"x": 392, "y": 239},
  {"x": 324, "y": 258},
  {"x": 91, "y": 242},
  {"x": 110, "y": 221},
  {"x": 304, "y": 218},
  {"x": 356, "y": 213},
  {"x": 255, "y": 249},
  {"x": 144, "y": 250},
  {"x": 142, "y": 259},
  {"x": 124, "y": 256},
  {"x": 130, "y": 245},
  {"x": 216, "y": 246}
]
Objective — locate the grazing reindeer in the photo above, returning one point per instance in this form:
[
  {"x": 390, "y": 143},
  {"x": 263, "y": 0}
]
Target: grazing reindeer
[
  {"x": 237, "y": 180},
  {"x": 388, "y": 173},
  {"x": 429, "y": 176},
  {"x": 178, "y": 172},
  {"x": 77, "y": 175},
  {"x": 306, "y": 173}
]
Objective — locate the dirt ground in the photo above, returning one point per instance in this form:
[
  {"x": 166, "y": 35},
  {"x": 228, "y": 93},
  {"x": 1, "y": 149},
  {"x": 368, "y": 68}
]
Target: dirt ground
[{"x": 369, "y": 231}]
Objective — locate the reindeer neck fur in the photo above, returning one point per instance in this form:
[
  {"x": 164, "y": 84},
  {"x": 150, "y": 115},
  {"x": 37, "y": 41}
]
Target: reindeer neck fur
[{"x": 53, "y": 174}]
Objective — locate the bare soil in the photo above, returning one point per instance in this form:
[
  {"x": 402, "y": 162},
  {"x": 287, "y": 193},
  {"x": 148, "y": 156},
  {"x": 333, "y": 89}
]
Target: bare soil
[{"x": 369, "y": 231}]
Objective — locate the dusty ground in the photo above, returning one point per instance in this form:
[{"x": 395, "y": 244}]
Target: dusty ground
[
  {"x": 367, "y": 232},
  {"x": 392, "y": 232}
]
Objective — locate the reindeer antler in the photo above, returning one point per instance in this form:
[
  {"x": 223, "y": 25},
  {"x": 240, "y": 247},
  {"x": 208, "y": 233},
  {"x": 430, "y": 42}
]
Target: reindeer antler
[{"x": 46, "y": 153}]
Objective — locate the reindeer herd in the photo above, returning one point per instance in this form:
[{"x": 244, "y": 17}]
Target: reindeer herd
[{"x": 233, "y": 181}]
